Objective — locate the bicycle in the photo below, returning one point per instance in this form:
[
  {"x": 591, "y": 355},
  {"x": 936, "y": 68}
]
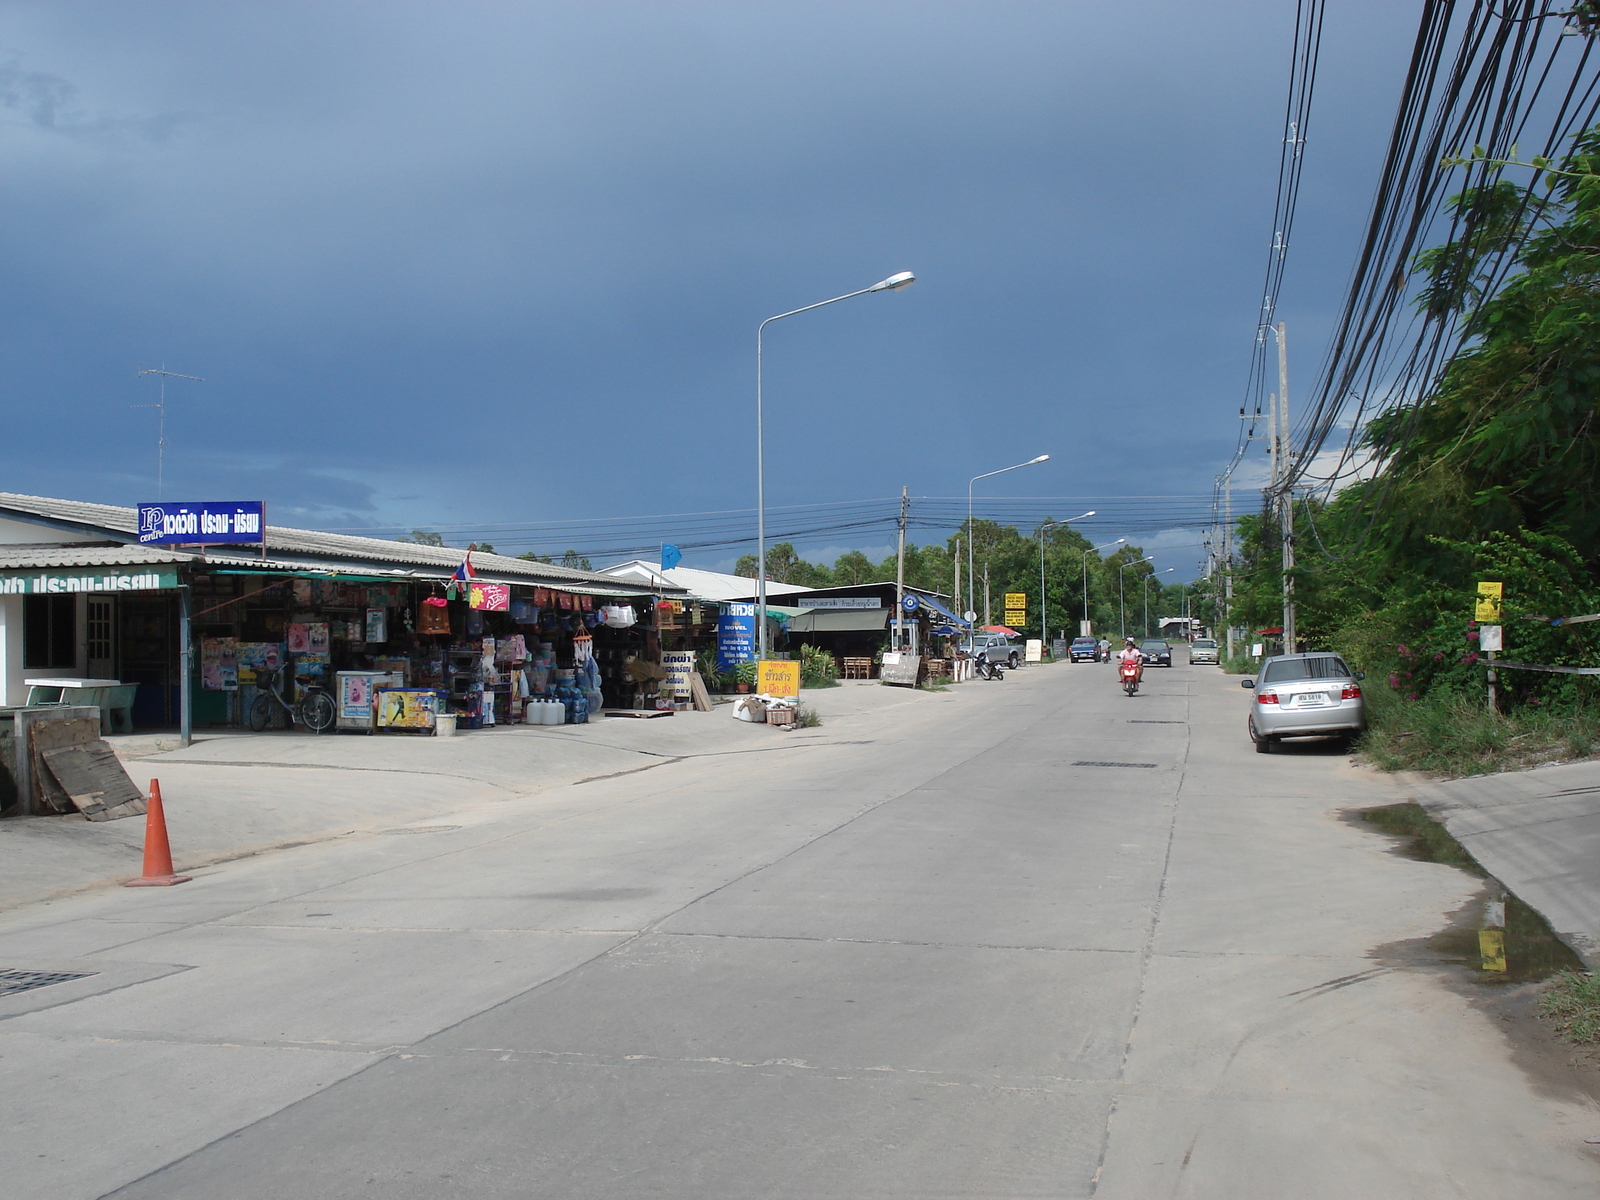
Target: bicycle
[{"x": 315, "y": 710}]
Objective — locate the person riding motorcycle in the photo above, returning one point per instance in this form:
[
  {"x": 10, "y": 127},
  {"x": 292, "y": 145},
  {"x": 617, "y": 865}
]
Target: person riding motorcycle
[{"x": 1130, "y": 654}]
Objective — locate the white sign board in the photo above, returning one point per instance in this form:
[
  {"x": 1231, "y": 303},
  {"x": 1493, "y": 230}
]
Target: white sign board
[
  {"x": 841, "y": 602},
  {"x": 1491, "y": 637},
  {"x": 679, "y": 665},
  {"x": 1034, "y": 650},
  {"x": 1255, "y": 650}
]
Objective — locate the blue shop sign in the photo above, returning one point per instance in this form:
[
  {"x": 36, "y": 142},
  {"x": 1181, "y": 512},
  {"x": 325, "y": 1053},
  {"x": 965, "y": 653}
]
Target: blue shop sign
[
  {"x": 206, "y": 523},
  {"x": 736, "y": 635}
]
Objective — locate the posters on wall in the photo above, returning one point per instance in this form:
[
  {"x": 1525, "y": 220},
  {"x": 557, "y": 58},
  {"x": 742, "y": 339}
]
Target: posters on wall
[
  {"x": 257, "y": 659},
  {"x": 407, "y": 709},
  {"x": 377, "y": 624},
  {"x": 219, "y": 664},
  {"x": 299, "y": 638}
]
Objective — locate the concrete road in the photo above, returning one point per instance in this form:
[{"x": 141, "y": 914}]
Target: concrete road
[{"x": 1020, "y": 939}]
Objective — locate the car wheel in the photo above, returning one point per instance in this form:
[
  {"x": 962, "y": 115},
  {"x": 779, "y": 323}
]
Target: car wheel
[
  {"x": 1013, "y": 660},
  {"x": 1263, "y": 744}
]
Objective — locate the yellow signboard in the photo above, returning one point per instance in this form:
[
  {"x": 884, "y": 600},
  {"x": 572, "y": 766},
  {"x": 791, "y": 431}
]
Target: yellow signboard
[
  {"x": 1489, "y": 596},
  {"x": 1015, "y": 617},
  {"x": 1016, "y": 600},
  {"x": 778, "y": 678}
]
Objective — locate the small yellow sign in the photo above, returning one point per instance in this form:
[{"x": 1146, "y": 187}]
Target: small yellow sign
[
  {"x": 1492, "y": 949},
  {"x": 1489, "y": 597},
  {"x": 1015, "y": 617},
  {"x": 1016, "y": 600},
  {"x": 775, "y": 678}
]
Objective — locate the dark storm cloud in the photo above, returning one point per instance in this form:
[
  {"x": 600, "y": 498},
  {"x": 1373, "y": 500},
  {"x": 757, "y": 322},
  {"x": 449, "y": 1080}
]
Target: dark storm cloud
[{"x": 411, "y": 246}]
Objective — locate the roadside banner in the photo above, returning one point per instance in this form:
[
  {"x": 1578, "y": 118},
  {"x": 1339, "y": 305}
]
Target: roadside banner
[
  {"x": 736, "y": 635},
  {"x": 775, "y": 678},
  {"x": 1034, "y": 651},
  {"x": 679, "y": 665}
]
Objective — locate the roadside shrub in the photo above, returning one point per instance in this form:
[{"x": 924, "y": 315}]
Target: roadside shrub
[
  {"x": 1573, "y": 1005},
  {"x": 817, "y": 668}
]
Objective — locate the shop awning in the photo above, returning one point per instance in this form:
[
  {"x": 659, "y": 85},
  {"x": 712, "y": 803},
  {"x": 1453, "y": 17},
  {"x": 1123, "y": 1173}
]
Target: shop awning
[
  {"x": 926, "y": 601},
  {"x": 841, "y": 620}
]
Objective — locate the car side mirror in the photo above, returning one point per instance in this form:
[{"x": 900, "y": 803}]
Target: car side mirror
[
  {"x": 1249, "y": 683},
  {"x": 1361, "y": 675}
]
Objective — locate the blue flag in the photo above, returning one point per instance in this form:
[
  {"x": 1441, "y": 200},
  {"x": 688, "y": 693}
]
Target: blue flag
[{"x": 671, "y": 556}]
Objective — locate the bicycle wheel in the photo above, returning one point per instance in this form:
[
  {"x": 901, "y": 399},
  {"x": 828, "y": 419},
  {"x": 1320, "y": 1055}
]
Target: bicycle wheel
[
  {"x": 260, "y": 712},
  {"x": 318, "y": 711}
]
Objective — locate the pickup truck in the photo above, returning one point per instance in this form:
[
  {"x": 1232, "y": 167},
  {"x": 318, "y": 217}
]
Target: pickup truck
[
  {"x": 995, "y": 647},
  {"x": 1084, "y": 649}
]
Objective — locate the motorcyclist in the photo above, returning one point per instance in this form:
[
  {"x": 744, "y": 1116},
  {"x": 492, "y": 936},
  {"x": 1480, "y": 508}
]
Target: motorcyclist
[
  {"x": 1104, "y": 651},
  {"x": 1130, "y": 654}
]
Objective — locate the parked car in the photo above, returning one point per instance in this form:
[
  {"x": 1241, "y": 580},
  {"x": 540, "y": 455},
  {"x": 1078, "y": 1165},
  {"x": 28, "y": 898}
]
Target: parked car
[
  {"x": 995, "y": 647},
  {"x": 1084, "y": 648},
  {"x": 1202, "y": 650},
  {"x": 1303, "y": 695},
  {"x": 1157, "y": 652}
]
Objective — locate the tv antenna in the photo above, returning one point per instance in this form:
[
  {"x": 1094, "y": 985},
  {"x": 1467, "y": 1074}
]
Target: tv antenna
[{"x": 161, "y": 408}]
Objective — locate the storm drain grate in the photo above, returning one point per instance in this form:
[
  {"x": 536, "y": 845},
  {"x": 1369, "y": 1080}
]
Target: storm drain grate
[
  {"x": 1084, "y": 762},
  {"x": 1137, "y": 721},
  {"x": 12, "y": 981}
]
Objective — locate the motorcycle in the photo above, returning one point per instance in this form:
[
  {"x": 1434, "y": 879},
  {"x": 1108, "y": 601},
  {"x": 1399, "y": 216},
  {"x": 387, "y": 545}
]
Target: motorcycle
[
  {"x": 1129, "y": 671},
  {"x": 989, "y": 670}
]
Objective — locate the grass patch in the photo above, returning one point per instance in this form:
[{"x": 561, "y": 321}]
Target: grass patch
[
  {"x": 1240, "y": 664},
  {"x": 1457, "y": 735},
  {"x": 1572, "y": 1005},
  {"x": 805, "y": 717}
]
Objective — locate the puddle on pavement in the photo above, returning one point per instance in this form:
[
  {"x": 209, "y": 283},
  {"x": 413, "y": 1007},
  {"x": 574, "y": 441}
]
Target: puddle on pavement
[{"x": 1525, "y": 950}]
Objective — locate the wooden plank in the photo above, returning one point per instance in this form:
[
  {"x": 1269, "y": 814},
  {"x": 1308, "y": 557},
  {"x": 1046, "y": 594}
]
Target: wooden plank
[
  {"x": 90, "y": 775},
  {"x": 698, "y": 693},
  {"x": 48, "y": 735}
]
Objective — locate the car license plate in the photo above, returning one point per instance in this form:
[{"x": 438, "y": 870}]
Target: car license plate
[{"x": 1310, "y": 699}]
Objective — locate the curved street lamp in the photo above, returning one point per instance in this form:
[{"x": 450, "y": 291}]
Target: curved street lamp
[
  {"x": 1122, "y": 609},
  {"x": 1086, "y": 553},
  {"x": 894, "y": 283},
  {"x": 1044, "y": 616},
  {"x": 1017, "y": 467}
]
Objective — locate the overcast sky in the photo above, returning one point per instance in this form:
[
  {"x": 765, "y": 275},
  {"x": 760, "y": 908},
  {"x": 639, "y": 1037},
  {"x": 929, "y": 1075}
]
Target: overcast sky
[{"x": 476, "y": 263}]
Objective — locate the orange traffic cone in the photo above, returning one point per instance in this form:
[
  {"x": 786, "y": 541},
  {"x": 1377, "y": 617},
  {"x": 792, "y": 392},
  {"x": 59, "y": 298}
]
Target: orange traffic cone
[{"x": 157, "y": 851}]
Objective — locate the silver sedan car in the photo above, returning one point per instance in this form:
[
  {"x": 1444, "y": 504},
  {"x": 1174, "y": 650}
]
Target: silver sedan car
[
  {"x": 1202, "y": 650},
  {"x": 1305, "y": 695}
]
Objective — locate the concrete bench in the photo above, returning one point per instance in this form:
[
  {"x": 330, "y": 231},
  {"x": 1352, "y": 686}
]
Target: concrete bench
[{"x": 112, "y": 697}]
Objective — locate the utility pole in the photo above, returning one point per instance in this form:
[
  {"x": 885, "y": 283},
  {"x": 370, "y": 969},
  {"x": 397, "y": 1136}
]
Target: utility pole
[
  {"x": 988, "y": 616},
  {"x": 1285, "y": 493},
  {"x": 957, "y": 591},
  {"x": 1227, "y": 559},
  {"x": 900, "y": 577}
]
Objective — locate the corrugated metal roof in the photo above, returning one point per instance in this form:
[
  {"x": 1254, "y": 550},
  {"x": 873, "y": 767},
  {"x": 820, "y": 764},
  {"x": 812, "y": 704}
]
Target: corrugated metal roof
[
  {"x": 323, "y": 550},
  {"x": 25, "y": 557}
]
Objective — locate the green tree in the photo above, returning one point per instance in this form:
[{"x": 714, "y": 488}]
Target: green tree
[{"x": 423, "y": 537}]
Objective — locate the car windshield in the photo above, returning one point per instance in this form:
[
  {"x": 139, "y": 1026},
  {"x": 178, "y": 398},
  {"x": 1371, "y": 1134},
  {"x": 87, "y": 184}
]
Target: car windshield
[
  {"x": 1154, "y": 646},
  {"x": 1204, "y": 644},
  {"x": 1328, "y": 666},
  {"x": 1084, "y": 642}
]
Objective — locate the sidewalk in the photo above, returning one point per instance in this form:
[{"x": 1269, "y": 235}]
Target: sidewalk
[
  {"x": 232, "y": 794},
  {"x": 1537, "y": 832}
]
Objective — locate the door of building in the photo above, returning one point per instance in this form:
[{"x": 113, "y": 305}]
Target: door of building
[{"x": 101, "y": 631}]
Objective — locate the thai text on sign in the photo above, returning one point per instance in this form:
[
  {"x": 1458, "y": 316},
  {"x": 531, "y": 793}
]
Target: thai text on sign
[{"x": 778, "y": 678}]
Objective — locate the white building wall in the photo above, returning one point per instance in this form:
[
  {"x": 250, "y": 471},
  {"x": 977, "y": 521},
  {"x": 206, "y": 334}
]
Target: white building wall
[
  {"x": 12, "y": 673},
  {"x": 13, "y": 532}
]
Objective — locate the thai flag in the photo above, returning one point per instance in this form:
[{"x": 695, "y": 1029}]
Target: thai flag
[{"x": 465, "y": 573}]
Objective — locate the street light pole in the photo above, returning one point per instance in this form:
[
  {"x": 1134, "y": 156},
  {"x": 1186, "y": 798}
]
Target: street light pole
[
  {"x": 970, "y": 482},
  {"x": 1044, "y": 616},
  {"x": 1145, "y": 588},
  {"x": 892, "y": 284},
  {"x": 1086, "y": 553},
  {"x": 1122, "y": 608}
]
